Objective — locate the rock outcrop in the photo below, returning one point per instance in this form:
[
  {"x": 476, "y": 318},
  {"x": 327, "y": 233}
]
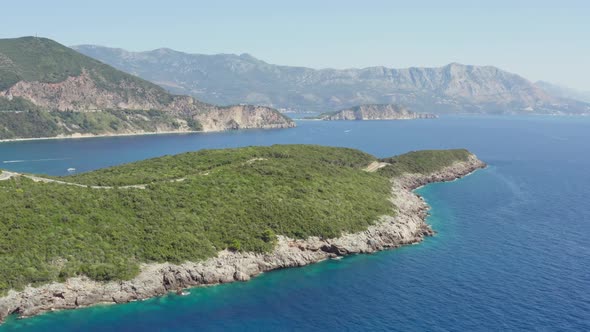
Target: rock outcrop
[
  {"x": 406, "y": 227},
  {"x": 376, "y": 112},
  {"x": 242, "y": 117}
]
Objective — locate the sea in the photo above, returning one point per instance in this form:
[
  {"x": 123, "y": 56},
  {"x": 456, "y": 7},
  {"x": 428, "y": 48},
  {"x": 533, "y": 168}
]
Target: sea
[{"x": 511, "y": 253}]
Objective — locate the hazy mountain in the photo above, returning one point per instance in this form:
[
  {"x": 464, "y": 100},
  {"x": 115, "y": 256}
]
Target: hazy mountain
[
  {"x": 564, "y": 92},
  {"x": 80, "y": 95},
  {"x": 230, "y": 79}
]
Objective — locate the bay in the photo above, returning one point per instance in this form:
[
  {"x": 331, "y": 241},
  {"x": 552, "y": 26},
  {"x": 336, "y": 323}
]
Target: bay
[{"x": 511, "y": 251}]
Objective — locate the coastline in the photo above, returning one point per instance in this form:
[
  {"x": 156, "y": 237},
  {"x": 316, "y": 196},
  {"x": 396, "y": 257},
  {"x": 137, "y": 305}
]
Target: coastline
[
  {"x": 143, "y": 133},
  {"x": 75, "y": 136},
  {"x": 408, "y": 226}
]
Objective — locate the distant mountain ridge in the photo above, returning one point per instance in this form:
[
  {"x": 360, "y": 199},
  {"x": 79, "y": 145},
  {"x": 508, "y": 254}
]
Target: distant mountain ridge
[
  {"x": 375, "y": 112},
  {"x": 47, "y": 90},
  {"x": 230, "y": 79}
]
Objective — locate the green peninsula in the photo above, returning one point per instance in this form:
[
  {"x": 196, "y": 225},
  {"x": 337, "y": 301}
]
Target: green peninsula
[{"x": 189, "y": 207}]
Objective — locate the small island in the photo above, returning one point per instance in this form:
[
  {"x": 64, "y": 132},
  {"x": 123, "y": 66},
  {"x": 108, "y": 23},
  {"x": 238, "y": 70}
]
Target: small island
[
  {"x": 151, "y": 227},
  {"x": 375, "y": 112}
]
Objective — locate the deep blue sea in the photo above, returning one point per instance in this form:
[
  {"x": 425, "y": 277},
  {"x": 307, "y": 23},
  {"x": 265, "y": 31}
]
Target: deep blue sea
[{"x": 512, "y": 250}]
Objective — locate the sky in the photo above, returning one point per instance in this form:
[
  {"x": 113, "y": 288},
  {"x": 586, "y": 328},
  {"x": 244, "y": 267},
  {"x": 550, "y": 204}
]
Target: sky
[{"x": 540, "y": 40}]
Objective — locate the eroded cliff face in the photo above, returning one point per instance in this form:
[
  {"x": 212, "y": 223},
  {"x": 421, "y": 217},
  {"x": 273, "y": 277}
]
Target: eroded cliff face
[
  {"x": 378, "y": 112},
  {"x": 406, "y": 227},
  {"x": 81, "y": 93},
  {"x": 242, "y": 117}
]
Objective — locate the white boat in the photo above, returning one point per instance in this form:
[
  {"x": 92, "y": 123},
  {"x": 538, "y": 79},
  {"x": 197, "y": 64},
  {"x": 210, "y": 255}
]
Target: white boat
[{"x": 71, "y": 169}]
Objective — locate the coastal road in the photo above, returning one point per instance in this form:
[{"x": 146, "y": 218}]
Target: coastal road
[
  {"x": 46, "y": 180},
  {"x": 7, "y": 175}
]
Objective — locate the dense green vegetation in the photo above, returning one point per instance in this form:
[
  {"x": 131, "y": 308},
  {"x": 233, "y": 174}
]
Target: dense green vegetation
[
  {"x": 196, "y": 163},
  {"x": 44, "y": 60},
  {"x": 422, "y": 162},
  {"x": 16, "y": 104},
  {"x": 238, "y": 199},
  {"x": 29, "y": 124}
]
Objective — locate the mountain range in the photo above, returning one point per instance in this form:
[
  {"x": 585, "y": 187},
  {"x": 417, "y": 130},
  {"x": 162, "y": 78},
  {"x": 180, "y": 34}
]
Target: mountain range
[
  {"x": 230, "y": 79},
  {"x": 47, "y": 90}
]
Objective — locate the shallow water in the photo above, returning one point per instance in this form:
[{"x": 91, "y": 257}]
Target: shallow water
[{"x": 511, "y": 253}]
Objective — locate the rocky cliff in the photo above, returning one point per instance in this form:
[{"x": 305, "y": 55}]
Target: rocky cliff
[
  {"x": 406, "y": 227},
  {"x": 242, "y": 117},
  {"x": 228, "y": 79},
  {"x": 376, "y": 112}
]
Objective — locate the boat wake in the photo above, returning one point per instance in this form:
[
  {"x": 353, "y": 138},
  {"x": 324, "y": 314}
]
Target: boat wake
[{"x": 32, "y": 160}]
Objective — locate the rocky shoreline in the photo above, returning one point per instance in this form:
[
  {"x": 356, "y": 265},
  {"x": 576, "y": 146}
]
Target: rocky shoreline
[
  {"x": 408, "y": 226},
  {"x": 78, "y": 135},
  {"x": 143, "y": 133}
]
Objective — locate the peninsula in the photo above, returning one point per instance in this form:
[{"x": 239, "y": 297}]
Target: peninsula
[
  {"x": 375, "y": 112},
  {"x": 49, "y": 90},
  {"x": 146, "y": 228}
]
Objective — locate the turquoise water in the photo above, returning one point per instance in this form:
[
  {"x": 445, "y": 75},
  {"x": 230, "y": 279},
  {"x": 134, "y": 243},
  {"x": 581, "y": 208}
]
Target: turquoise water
[{"x": 512, "y": 250}]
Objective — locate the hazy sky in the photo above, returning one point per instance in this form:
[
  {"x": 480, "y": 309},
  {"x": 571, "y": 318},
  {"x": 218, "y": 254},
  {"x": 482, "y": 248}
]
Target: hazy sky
[{"x": 540, "y": 39}]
